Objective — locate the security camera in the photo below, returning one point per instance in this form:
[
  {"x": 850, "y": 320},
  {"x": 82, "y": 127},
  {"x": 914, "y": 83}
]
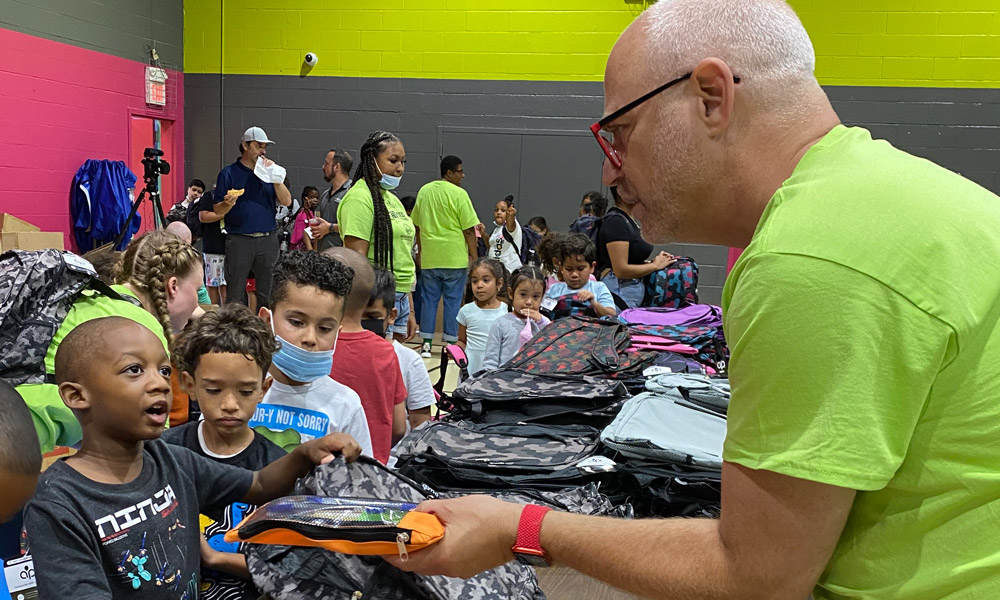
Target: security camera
[{"x": 311, "y": 59}]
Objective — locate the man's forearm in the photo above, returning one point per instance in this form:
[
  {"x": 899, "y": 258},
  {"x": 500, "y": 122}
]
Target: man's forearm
[
  {"x": 663, "y": 559},
  {"x": 209, "y": 216},
  {"x": 283, "y": 195},
  {"x": 470, "y": 243},
  {"x": 222, "y": 208}
]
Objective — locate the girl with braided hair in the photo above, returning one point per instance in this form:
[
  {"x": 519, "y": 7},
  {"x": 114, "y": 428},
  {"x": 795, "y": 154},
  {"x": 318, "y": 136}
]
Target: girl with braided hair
[
  {"x": 374, "y": 222},
  {"x": 159, "y": 276},
  {"x": 164, "y": 274}
]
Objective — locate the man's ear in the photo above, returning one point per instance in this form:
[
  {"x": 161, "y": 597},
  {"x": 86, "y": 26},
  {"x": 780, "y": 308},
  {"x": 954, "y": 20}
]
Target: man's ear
[
  {"x": 268, "y": 380},
  {"x": 713, "y": 85},
  {"x": 593, "y": 266},
  {"x": 73, "y": 395},
  {"x": 265, "y": 315},
  {"x": 391, "y": 318}
]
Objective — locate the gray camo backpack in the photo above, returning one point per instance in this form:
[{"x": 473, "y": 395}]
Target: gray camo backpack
[
  {"x": 288, "y": 573},
  {"x": 37, "y": 289}
]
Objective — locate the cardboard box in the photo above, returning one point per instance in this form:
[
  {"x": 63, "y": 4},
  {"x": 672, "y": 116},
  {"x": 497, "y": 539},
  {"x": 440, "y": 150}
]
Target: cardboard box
[
  {"x": 17, "y": 234},
  {"x": 30, "y": 240},
  {"x": 9, "y": 222}
]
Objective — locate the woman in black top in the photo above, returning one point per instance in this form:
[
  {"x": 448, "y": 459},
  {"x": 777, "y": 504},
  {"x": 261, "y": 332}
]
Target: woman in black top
[{"x": 622, "y": 254}]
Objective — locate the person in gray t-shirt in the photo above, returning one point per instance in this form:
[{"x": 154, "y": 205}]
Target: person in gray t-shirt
[{"x": 336, "y": 170}]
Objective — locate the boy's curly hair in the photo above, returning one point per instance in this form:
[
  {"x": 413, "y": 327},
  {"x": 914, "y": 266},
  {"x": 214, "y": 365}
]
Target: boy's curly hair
[
  {"x": 308, "y": 268},
  {"x": 574, "y": 245},
  {"x": 232, "y": 329}
]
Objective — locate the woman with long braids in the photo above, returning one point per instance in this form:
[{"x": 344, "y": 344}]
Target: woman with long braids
[{"x": 374, "y": 223}]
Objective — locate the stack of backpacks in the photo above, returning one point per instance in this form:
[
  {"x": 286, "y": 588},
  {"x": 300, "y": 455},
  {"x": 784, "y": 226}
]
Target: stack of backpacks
[
  {"x": 623, "y": 418},
  {"x": 628, "y": 415}
]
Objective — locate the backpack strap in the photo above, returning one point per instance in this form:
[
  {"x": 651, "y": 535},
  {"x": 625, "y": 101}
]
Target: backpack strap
[
  {"x": 106, "y": 290},
  {"x": 510, "y": 239}
]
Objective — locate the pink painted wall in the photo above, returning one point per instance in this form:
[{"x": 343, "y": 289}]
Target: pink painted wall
[{"x": 59, "y": 106}]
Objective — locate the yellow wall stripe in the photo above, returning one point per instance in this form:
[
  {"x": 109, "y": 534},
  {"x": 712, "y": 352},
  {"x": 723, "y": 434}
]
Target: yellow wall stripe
[{"x": 936, "y": 43}]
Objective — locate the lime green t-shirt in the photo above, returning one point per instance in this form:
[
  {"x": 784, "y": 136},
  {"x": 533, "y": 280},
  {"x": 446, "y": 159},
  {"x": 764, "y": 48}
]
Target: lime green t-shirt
[
  {"x": 356, "y": 216},
  {"x": 863, "y": 323},
  {"x": 442, "y": 212},
  {"x": 55, "y": 423}
]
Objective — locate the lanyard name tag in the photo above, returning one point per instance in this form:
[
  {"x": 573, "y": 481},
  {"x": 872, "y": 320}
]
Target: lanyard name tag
[{"x": 19, "y": 575}]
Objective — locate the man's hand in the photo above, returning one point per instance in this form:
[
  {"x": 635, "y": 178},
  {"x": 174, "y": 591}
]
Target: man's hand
[
  {"x": 322, "y": 450},
  {"x": 479, "y": 532},
  {"x": 321, "y": 228},
  {"x": 585, "y": 295},
  {"x": 267, "y": 161}
]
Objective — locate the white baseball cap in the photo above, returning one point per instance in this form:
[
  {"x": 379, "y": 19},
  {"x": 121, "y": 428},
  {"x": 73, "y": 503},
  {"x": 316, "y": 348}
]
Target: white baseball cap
[{"x": 256, "y": 134}]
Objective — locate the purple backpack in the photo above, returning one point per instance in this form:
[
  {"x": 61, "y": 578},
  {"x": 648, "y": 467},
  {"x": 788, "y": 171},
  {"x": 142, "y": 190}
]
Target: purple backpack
[{"x": 704, "y": 315}]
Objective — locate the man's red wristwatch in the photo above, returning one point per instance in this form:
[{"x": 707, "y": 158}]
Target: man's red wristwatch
[{"x": 528, "y": 547}]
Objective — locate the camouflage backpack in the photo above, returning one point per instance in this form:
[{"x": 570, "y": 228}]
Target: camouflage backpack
[
  {"x": 509, "y": 396},
  {"x": 581, "y": 346},
  {"x": 37, "y": 289},
  {"x": 287, "y": 573},
  {"x": 499, "y": 456}
]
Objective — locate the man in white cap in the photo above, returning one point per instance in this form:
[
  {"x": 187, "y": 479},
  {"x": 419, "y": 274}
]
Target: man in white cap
[
  {"x": 248, "y": 206},
  {"x": 860, "y": 459}
]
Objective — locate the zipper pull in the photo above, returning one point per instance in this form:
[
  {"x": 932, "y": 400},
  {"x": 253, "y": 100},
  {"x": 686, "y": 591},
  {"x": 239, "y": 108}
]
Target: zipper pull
[
  {"x": 356, "y": 595},
  {"x": 401, "y": 540}
]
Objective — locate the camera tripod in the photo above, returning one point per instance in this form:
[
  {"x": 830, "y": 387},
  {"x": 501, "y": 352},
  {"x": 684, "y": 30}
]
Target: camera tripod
[
  {"x": 153, "y": 167},
  {"x": 159, "y": 222}
]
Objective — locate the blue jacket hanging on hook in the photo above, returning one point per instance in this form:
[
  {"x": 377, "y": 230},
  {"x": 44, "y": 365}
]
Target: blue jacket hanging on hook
[{"x": 100, "y": 201}]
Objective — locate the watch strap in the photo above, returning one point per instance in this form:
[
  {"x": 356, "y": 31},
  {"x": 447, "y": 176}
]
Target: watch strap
[{"x": 529, "y": 531}]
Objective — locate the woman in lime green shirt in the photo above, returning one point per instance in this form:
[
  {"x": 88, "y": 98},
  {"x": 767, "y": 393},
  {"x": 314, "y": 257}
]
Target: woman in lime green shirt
[{"x": 373, "y": 221}]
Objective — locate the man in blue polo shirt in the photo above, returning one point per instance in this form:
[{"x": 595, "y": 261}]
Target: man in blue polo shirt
[{"x": 248, "y": 207}]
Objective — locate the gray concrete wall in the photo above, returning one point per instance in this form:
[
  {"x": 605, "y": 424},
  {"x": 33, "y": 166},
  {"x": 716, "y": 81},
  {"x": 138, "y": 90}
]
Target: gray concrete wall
[
  {"x": 125, "y": 28},
  {"x": 959, "y": 129}
]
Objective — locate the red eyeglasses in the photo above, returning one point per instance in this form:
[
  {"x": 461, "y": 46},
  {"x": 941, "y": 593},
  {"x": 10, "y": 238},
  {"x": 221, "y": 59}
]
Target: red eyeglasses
[{"x": 606, "y": 140}]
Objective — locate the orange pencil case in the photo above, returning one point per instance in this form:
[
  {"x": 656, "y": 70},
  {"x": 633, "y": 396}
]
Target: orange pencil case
[{"x": 345, "y": 525}]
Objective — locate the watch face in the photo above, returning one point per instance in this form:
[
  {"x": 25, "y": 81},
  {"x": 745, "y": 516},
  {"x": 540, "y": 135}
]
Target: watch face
[{"x": 532, "y": 560}]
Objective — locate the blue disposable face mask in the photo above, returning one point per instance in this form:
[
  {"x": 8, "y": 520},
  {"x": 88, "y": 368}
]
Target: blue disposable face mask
[
  {"x": 389, "y": 182},
  {"x": 299, "y": 364}
]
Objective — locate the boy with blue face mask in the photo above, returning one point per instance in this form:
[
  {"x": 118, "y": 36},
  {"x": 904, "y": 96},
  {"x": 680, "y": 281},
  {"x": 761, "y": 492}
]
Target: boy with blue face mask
[{"x": 304, "y": 402}]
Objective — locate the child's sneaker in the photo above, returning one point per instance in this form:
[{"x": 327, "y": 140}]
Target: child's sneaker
[{"x": 425, "y": 350}]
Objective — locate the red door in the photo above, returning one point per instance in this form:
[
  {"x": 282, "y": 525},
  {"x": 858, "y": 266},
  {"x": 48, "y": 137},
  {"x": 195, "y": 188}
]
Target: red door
[{"x": 149, "y": 132}]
